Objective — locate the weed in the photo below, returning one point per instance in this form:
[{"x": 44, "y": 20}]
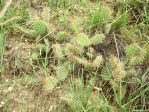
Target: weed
[{"x": 100, "y": 17}]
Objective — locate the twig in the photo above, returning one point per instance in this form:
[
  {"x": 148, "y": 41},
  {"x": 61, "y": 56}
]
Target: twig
[
  {"x": 116, "y": 45},
  {"x": 10, "y": 20},
  {"x": 146, "y": 36}
]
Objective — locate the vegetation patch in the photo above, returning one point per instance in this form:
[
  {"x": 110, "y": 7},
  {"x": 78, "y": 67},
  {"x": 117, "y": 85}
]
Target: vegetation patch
[{"x": 74, "y": 55}]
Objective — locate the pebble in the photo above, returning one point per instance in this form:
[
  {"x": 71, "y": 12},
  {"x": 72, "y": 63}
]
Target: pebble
[{"x": 2, "y": 103}]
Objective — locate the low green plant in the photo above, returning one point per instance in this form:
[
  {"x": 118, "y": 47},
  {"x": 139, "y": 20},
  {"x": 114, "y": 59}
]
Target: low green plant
[
  {"x": 62, "y": 37},
  {"x": 83, "y": 40},
  {"x": 135, "y": 54},
  {"x": 80, "y": 96},
  {"x": 40, "y": 28},
  {"x": 95, "y": 64},
  {"x": 63, "y": 70},
  {"x": 71, "y": 48},
  {"x": 98, "y": 39},
  {"x": 64, "y": 19},
  {"x": 121, "y": 20},
  {"x": 131, "y": 2},
  {"x": 35, "y": 56},
  {"x": 115, "y": 73},
  {"x": 86, "y": 98},
  {"x": 7, "y": 17},
  {"x": 58, "y": 52},
  {"x": 121, "y": 83},
  {"x": 51, "y": 4},
  {"x": 76, "y": 26},
  {"x": 129, "y": 34},
  {"x": 100, "y": 17},
  {"x": 49, "y": 83},
  {"x": 114, "y": 69}
]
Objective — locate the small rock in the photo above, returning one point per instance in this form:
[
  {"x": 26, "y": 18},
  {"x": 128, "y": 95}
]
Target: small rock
[{"x": 2, "y": 103}]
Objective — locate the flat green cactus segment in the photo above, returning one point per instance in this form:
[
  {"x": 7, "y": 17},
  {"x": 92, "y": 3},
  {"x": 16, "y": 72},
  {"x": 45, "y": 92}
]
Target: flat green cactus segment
[
  {"x": 83, "y": 40},
  {"x": 98, "y": 39},
  {"x": 40, "y": 28},
  {"x": 49, "y": 83},
  {"x": 62, "y": 36},
  {"x": 62, "y": 71}
]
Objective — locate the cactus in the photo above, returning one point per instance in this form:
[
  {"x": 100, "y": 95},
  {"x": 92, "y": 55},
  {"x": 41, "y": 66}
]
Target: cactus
[
  {"x": 62, "y": 37},
  {"x": 83, "y": 40},
  {"x": 76, "y": 26},
  {"x": 34, "y": 56},
  {"x": 132, "y": 50},
  {"x": 31, "y": 33},
  {"x": 40, "y": 28},
  {"x": 98, "y": 39},
  {"x": 63, "y": 70},
  {"x": 49, "y": 83},
  {"x": 98, "y": 61},
  {"x": 88, "y": 64},
  {"x": 114, "y": 69},
  {"x": 70, "y": 48},
  {"x": 58, "y": 51}
]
